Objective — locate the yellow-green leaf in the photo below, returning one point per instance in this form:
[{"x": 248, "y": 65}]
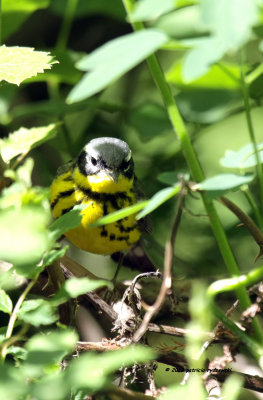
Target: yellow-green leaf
[
  {"x": 23, "y": 140},
  {"x": 20, "y": 63}
]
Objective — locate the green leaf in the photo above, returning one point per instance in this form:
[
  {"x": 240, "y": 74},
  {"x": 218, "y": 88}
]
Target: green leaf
[
  {"x": 198, "y": 61},
  {"x": 47, "y": 349},
  {"x": 9, "y": 279},
  {"x": 145, "y": 10},
  {"x": 114, "y": 59},
  {"x": 224, "y": 183},
  {"x": 23, "y": 140},
  {"x": 230, "y": 24},
  {"x": 5, "y": 302},
  {"x": 230, "y": 21},
  {"x": 220, "y": 76},
  {"x": 242, "y": 158},
  {"x": 183, "y": 23},
  {"x": 17, "y": 352},
  {"x": 117, "y": 215},
  {"x": 37, "y": 312},
  {"x": 68, "y": 221},
  {"x": 24, "y": 230},
  {"x": 52, "y": 255},
  {"x": 14, "y": 13},
  {"x": 20, "y": 63},
  {"x": 91, "y": 371},
  {"x": 158, "y": 199},
  {"x": 75, "y": 287},
  {"x": 12, "y": 383}
]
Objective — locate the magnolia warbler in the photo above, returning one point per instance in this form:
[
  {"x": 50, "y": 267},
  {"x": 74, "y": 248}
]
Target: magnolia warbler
[{"x": 102, "y": 177}]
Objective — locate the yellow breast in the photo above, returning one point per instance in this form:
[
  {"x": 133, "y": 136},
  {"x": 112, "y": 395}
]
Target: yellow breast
[{"x": 102, "y": 196}]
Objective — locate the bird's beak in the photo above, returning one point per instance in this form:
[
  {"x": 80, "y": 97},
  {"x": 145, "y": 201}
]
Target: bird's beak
[{"x": 113, "y": 174}]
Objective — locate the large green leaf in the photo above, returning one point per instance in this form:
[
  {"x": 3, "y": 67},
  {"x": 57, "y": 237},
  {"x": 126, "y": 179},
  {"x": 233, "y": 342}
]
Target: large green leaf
[
  {"x": 112, "y": 60},
  {"x": 20, "y": 63}
]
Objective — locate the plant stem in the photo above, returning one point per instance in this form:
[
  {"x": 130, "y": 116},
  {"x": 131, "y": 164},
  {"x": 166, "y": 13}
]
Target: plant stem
[
  {"x": 250, "y": 128},
  {"x": 13, "y": 340},
  {"x": 253, "y": 206},
  {"x": 14, "y": 314},
  {"x": 226, "y": 285},
  {"x": 66, "y": 25},
  {"x": 195, "y": 168}
]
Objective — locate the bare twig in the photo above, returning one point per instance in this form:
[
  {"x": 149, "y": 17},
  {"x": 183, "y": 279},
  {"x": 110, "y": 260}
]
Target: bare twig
[
  {"x": 247, "y": 221},
  {"x": 167, "y": 278}
]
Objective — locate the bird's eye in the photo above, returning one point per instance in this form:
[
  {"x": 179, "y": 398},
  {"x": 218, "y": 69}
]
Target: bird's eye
[{"x": 93, "y": 161}]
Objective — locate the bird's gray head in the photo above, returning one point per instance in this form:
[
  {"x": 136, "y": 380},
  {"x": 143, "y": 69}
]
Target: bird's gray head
[{"x": 106, "y": 153}]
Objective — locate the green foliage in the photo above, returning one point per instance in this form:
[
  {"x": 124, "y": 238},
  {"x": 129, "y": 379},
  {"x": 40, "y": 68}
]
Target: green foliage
[
  {"x": 203, "y": 114},
  {"x": 91, "y": 372},
  {"x": 22, "y": 141},
  {"x": 66, "y": 222},
  {"x": 75, "y": 287},
  {"x": 158, "y": 199},
  {"x": 113, "y": 60},
  {"x": 242, "y": 158},
  {"x": 221, "y": 184},
  {"x": 5, "y": 302},
  {"x": 117, "y": 215}
]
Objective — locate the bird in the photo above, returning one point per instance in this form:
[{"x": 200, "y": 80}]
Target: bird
[{"x": 102, "y": 178}]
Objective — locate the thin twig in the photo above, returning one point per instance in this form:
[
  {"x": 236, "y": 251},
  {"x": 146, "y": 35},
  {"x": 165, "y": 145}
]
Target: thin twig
[
  {"x": 14, "y": 314},
  {"x": 167, "y": 278},
  {"x": 247, "y": 221}
]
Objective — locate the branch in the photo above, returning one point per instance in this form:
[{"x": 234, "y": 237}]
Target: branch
[{"x": 167, "y": 277}]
